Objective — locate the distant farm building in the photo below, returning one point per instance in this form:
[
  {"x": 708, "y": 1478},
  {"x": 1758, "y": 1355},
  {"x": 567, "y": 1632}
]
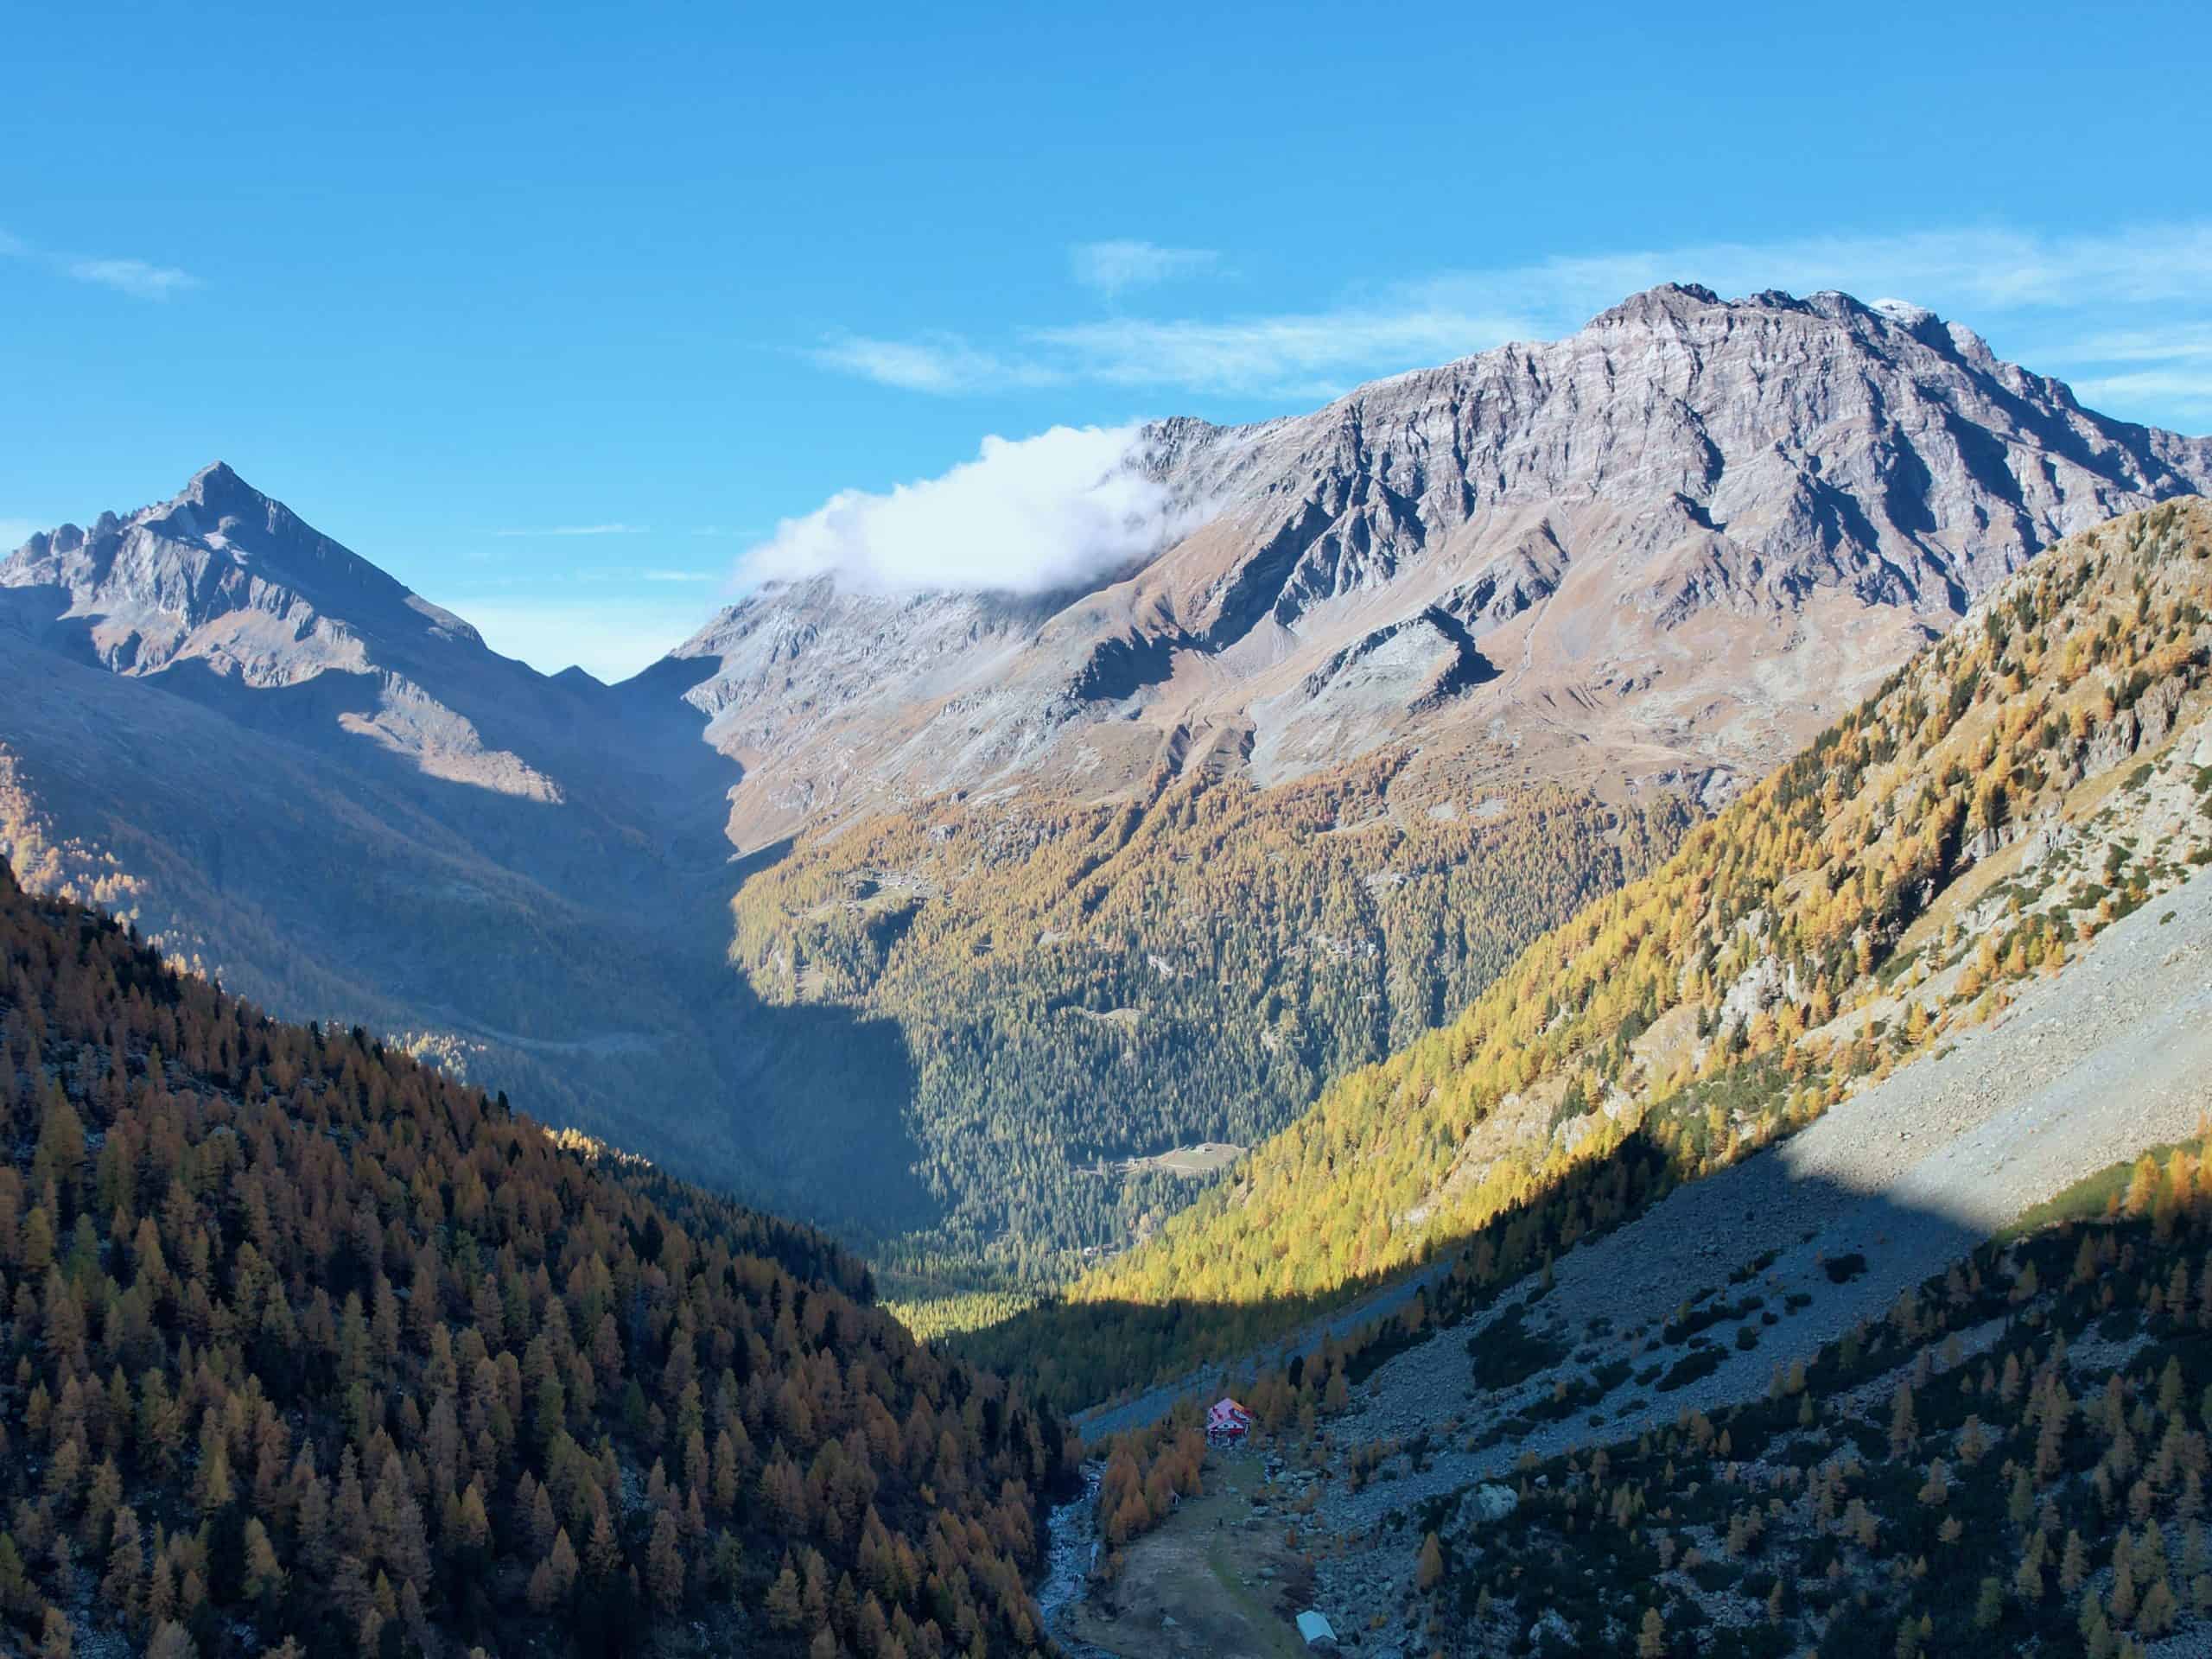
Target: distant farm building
[
  {"x": 1316, "y": 1630},
  {"x": 1226, "y": 1420}
]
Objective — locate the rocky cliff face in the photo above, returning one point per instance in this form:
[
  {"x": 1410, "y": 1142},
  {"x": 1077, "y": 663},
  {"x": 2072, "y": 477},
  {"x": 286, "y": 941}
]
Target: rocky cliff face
[
  {"x": 224, "y": 589},
  {"x": 220, "y": 566},
  {"x": 1672, "y": 544}
]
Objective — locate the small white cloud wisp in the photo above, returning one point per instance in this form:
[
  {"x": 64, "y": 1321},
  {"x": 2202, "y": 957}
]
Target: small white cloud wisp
[
  {"x": 1112, "y": 268},
  {"x": 576, "y": 529},
  {"x": 1028, "y": 515},
  {"x": 140, "y": 278},
  {"x": 136, "y": 277}
]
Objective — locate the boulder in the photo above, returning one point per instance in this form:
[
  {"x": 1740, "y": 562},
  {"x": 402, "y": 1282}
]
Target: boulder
[
  {"x": 2155, "y": 712},
  {"x": 1757, "y": 987},
  {"x": 1979, "y": 845},
  {"x": 2051, "y": 837},
  {"x": 2114, "y": 742},
  {"x": 1489, "y": 1503}
]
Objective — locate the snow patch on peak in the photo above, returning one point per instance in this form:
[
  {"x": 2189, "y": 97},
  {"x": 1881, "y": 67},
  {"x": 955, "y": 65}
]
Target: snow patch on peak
[{"x": 1903, "y": 311}]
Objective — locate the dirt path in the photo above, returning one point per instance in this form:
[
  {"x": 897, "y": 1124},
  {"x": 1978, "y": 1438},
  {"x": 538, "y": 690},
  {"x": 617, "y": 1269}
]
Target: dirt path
[{"x": 1097, "y": 1423}]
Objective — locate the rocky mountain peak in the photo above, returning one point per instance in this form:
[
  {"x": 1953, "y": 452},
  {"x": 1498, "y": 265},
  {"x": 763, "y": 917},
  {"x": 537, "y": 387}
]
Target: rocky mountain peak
[
  {"x": 215, "y": 484},
  {"x": 1667, "y": 301},
  {"x": 227, "y": 594},
  {"x": 1668, "y": 542},
  {"x": 219, "y": 549}
]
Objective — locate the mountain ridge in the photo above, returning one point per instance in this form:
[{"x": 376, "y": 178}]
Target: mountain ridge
[
  {"x": 1620, "y": 645},
  {"x": 1576, "y": 590},
  {"x": 1770, "y": 449}
]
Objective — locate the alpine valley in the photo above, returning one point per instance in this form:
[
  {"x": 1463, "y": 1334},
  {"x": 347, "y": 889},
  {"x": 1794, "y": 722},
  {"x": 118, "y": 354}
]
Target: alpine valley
[
  {"x": 1611, "y": 937},
  {"x": 1044, "y": 907}
]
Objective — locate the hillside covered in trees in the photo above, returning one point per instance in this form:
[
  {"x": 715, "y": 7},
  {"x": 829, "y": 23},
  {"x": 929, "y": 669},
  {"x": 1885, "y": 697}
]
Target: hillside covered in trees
[
  {"x": 1867, "y": 898},
  {"x": 2013, "y": 1459},
  {"x": 1076, "y": 986},
  {"x": 305, "y": 1348}
]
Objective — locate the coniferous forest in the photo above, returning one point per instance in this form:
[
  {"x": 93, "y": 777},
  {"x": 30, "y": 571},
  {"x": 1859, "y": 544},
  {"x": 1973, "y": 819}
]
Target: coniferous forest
[
  {"x": 1075, "y": 989},
  {"x": 308, "y": 1348}
]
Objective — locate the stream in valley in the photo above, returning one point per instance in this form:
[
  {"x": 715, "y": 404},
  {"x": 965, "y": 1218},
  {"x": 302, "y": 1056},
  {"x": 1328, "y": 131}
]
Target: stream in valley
[{"x": 1070, "y": 1543}]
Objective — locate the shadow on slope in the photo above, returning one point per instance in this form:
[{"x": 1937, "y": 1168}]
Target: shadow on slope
[
  {"x": 1639, "y": 1253},
  {"x": 572, "y": 957}
]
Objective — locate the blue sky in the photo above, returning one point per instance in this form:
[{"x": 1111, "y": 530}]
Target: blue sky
[{"x": 556, "y": 313}]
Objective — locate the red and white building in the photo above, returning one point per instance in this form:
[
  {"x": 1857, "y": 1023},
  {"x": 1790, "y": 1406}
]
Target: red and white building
[{"x": 1227, "y": 1421}]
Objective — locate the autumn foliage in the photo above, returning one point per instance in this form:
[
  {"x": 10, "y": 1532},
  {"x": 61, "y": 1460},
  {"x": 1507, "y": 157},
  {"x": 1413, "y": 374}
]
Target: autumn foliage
[
  {"x": 1147, "y": 1473},
  {"x": 1629, "y": 1019},
  {"x": 304, "y": 1344}
]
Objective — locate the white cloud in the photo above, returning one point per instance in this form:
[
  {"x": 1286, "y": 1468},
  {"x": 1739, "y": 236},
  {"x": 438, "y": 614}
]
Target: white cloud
[
  {"x": 2141, "y": 345},
  {"x": 139, "y": 278},
  {"x": 136, "y": 278},
  {"x": 579, "y": 530},
  {"x": 1114, "y": 267},
  {"x": 2167, "y": 369},
  {"x": 936, "y": 362},
  {"x": 1979, "y": 274},
  {"x": 1968, "y": 269},
  {"x": 2185, "y": 387},
  {"x": 629, "y": 573},
  {"x": 1026, "y": 516},
  {"x": 1308, "y": 355}
]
